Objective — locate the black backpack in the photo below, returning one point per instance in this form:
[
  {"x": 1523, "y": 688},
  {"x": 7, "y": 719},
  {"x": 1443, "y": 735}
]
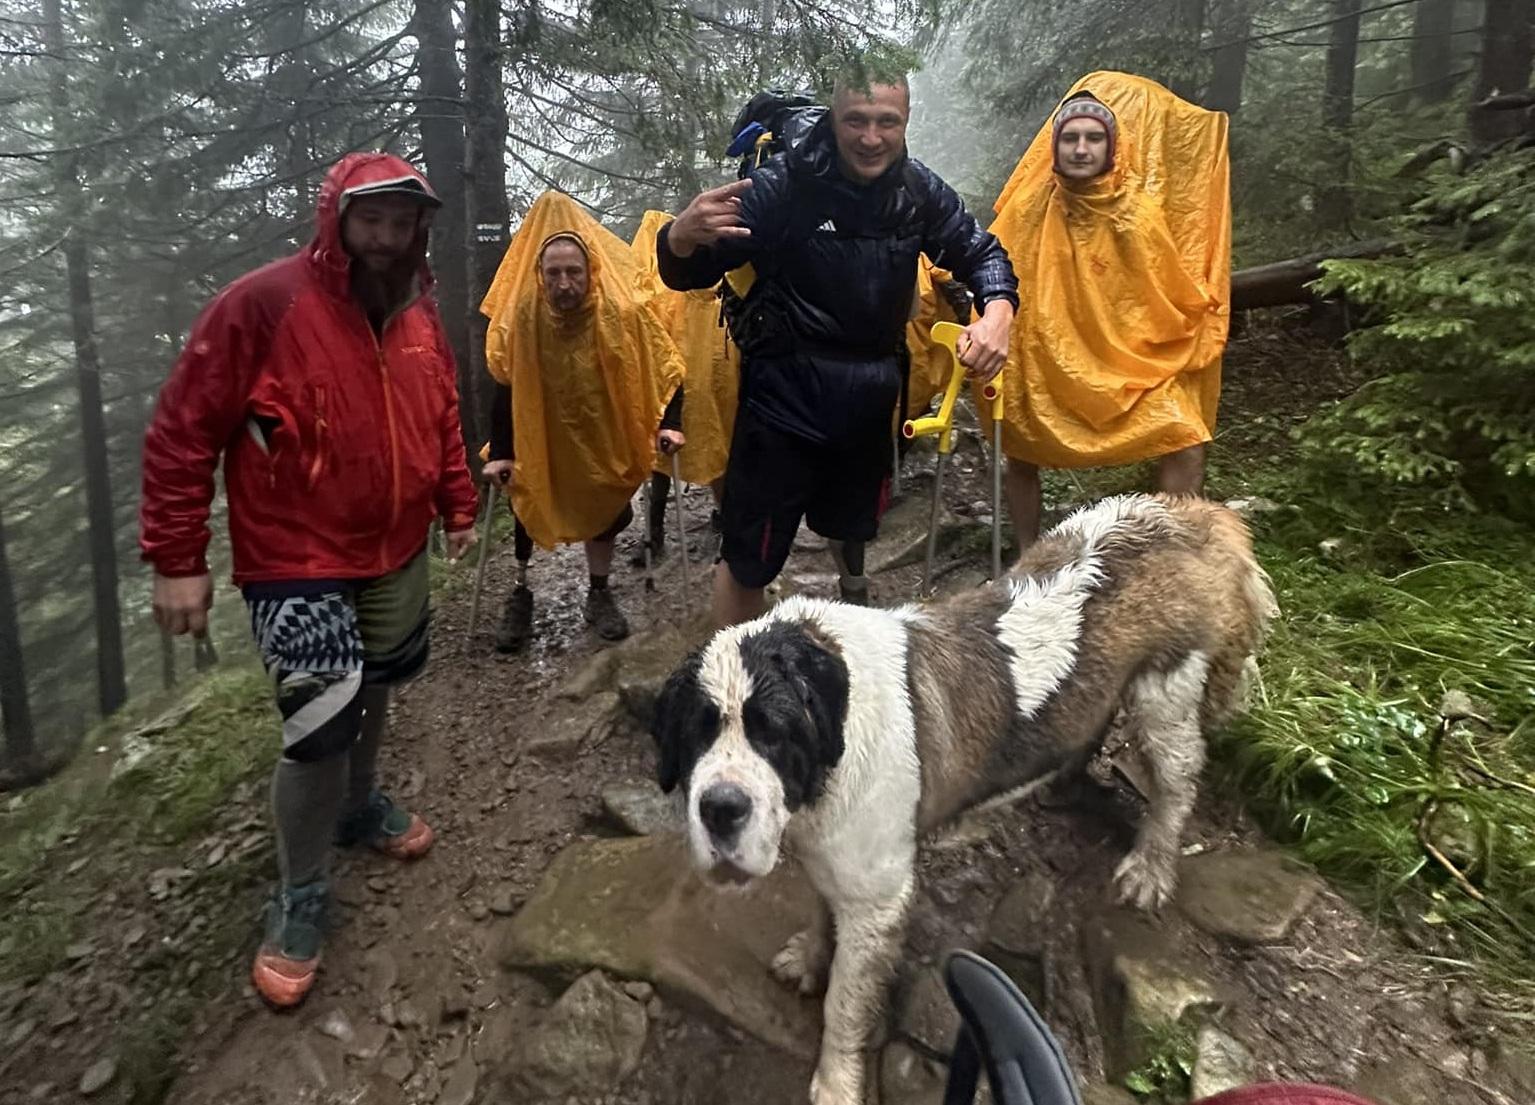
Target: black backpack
[{"x": 771, "y": 122}]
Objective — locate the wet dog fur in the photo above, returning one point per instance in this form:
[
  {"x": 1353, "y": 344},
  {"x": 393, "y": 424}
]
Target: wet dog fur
[{"x": 844, "y": 733}]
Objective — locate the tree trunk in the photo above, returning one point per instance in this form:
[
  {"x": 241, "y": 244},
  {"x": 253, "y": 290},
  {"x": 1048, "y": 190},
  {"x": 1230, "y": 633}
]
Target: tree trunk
[
  {"x": 1281, "y": 283},
  {"x": 1433, "y": 50},
  {"x": 290, "y": 77},
  {"x": 1233, "y": 26},
  {"x": 15, "y": 711},
  {"x": 485, "y": 169},
  {"x": 1505, "y": 67},
  {"x": 1338, "y": 111},
  {"x": 111, "y": 681},
  {"x": 1188, "y": 28},
  {"x": 440, "y": 118}
]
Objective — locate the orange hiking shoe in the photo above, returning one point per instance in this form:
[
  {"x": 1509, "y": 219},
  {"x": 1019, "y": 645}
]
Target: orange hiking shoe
[
  {"x": 289, "y": 957},
  {"x": 387, "y": 828}
]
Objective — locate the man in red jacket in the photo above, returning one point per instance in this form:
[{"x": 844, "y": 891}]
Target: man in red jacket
[{"x": 325, "y": 381}]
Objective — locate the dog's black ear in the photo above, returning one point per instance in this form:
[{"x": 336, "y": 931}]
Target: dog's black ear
[
  {"x": 684, "y": 723},
  {"x": 820, "y": 679},
  {"x": 798, "y": 707}
]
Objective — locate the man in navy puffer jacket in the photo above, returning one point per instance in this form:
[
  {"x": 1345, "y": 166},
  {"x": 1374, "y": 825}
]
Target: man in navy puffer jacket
[{"x": 832, "y": 230}]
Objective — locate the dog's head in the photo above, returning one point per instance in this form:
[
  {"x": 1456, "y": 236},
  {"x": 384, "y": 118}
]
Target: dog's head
[{"x": 751, "y": 725}]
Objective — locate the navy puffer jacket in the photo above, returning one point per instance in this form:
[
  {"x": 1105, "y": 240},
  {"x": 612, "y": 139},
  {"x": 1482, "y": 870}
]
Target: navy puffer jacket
[{"x": 836, "y": 265}]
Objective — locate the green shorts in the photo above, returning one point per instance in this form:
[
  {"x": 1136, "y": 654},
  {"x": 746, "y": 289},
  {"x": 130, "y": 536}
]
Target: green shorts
[{"x": 322, "y": 641}]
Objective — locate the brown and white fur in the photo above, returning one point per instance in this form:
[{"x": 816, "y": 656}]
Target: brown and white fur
[{"x": 843, "y": 733}]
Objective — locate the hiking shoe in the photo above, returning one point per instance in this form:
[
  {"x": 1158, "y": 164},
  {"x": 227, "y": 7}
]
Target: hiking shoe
[
  {"x": 289, "y": 957},
  {"x": 657, "y": 546},
  {"x": 516, "y": 628},
  {"x": 603, "y": 615},
  {"x": 854, "y": 593},
  {"x": 385, "y": 827}
]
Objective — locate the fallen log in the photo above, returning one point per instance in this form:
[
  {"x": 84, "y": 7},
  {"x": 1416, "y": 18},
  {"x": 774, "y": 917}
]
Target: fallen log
[
  {"x": 1507, "y": 101},
  {"x": 1285, "y": 282}
]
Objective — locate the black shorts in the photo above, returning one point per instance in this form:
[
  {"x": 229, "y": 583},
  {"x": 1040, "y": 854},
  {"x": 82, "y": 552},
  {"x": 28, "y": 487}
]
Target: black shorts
[{"x": 775, "y": 478}]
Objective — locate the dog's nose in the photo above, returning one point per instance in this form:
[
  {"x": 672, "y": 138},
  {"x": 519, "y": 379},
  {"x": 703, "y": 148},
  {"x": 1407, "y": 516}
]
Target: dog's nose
[{"x": 724, "y": 808}]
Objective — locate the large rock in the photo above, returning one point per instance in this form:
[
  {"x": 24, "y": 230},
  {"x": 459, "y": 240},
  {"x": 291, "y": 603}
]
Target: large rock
[
  {"x": 640, "y": 809},
  {"x": 1020, "y": 921},
  {"x": 1016, "y": 936},
  {"x": 645, "y": 661},
  {"x": 1517, "y": 1064},
  {"x": 566, "y": 732},
  {"x": 1252, "y": 897},
  {"x": 460, "y": 1084},
  {"x": 637, "y": 668},
  {"x": 591, "y": 678},
  {"x": 907, "y": 1077},
  {"x": 635, "y": 908},
  {"x": 1221, "y": 1063},
  {"x": 1399, "y": 1081},
  {"x": 588, "y": 1044},
  {"x": 1100, "y": 1093},
  {"x": 1142, "y": 982},
  {"x": 928, "y": 1017},
  {"x": 903, "y": 535}
]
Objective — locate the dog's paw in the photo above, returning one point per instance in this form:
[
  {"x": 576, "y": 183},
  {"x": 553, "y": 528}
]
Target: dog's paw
[
  {"x": 834, "y": 1087},
  {"x": 803, "y": 962},
  {"x": 1145, "y": 882}
]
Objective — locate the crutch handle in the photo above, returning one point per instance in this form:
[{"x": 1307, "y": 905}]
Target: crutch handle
[
  {"x": 947, "y": 335},
  {"x": 991, "y": 391}
]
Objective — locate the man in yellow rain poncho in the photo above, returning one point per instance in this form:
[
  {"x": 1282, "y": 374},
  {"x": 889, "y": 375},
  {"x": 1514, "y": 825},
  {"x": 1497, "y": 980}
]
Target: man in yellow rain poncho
[
  {"x": 1118, "y": 218},
  {"x": 713, "y": 367},
  {"x": 586, "y": 374}
]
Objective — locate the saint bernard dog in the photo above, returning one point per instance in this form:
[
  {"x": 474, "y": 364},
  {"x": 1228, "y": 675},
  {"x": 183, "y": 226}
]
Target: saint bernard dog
[{"x": 842, "y": 734}]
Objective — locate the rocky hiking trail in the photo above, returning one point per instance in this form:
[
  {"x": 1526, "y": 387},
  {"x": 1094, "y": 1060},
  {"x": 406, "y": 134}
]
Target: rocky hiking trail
[{"x": 555, "y": 947}]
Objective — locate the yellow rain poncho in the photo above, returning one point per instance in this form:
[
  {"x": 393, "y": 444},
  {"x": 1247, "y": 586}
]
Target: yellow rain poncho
[
  {"x": 1125, "y": 282},
  {"x": 712, "y": 362},
  {"x": 588, "y": 390},
  {"x": 931, "y": 364}
]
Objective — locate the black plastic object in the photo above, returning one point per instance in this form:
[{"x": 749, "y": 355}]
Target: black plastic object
[
  {"x": 1002, "y": 1032},
  {"x": 788, "y": 116}
]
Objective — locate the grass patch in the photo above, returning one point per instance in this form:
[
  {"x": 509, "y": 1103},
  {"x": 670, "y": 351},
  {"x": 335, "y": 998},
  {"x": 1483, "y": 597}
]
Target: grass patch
[
  {"x": 1166, "y": 1075},
  {"x": 191, "y": 761},
  {"x": 1388, "y": 604},
  {"x": 228, "y": 736},
  {"x": 1346, "y": 754},
  {"x": 450, "y": 579},
  {"x": 37, "y": 936}
]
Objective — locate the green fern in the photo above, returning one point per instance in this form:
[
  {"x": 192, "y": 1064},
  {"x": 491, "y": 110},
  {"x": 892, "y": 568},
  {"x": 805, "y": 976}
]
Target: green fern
[{"x": 1454, "y": 411}]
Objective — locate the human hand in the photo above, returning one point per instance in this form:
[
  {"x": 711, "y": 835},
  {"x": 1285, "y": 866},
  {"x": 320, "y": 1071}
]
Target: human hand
[
  {"x": 983, "y": 346},
  {"x": 460, "y": 541},
  {"x": 498, "y": 471},
  {"x": 711, "y": 215},
  {"x": 181, "y": 604},
  {"x": 669, "y": 441}
]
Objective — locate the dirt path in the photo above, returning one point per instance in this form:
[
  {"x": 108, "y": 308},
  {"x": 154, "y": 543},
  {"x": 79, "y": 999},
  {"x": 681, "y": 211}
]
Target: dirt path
[
  {"x": 1331, "y": 1001},
  {"x": 412, "y": 1006}
]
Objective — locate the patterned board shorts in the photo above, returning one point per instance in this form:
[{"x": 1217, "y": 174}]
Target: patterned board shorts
[{"x": 323, "y": 641}]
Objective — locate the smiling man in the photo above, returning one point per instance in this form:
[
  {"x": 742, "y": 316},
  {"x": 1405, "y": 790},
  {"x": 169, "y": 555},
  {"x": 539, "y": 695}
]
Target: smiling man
[{"x": 833, "y": 229}]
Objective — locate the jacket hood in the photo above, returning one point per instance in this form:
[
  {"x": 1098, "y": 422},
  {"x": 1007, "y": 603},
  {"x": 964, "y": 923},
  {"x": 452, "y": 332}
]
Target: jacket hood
[{"x": 354, "y": 174}]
